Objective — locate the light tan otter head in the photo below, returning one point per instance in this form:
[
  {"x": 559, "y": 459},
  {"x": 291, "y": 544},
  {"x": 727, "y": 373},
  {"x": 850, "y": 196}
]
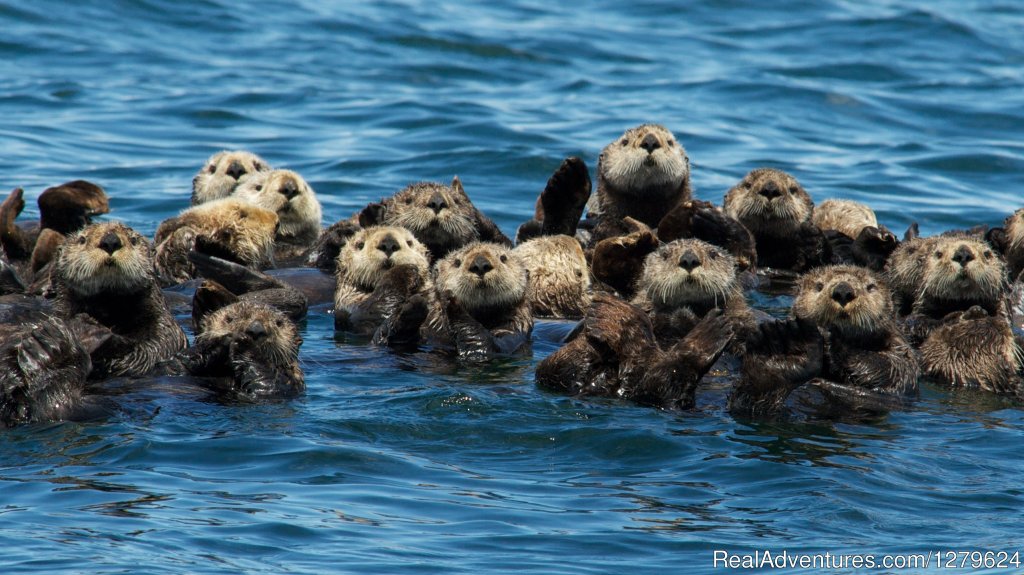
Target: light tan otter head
[
  {"x": 961, "y": 271},
  {"x": 373, "y": 251},
  {"x": 229, "y": 228},
  {"x": 1015, "y": 230},
  {"x": 687, "y": 272},
  {"x": 223, "y": 172},
  {"x": 769, "y": 200},
  {"x": 845, "y": 216},
  {"x": 261, "y": 330},
  {"x": 483, "y": 276},
  {"x": 289, "y": 196},
  {"x": 105, "y": 258},
  {"x": 442, "y": 217},
  {"x": 849, "y": 299},
  {"x": 643, "y": 158}
]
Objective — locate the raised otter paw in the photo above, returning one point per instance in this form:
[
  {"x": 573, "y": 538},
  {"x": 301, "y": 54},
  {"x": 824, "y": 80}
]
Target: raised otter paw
[
  {"x": 372, "y": 215},
  {"x": 873, "y": 246},
  {"x": 563, "y": 199}
]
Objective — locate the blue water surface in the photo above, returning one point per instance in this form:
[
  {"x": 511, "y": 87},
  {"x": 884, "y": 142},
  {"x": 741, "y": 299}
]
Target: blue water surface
[{"x": 402, "y": 464}]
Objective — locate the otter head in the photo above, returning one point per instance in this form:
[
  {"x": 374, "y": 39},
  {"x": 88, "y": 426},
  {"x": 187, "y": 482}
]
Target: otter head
[
  {"x": 372, "y": 251},
  {"x": 848, "y": 299},
  {"x": 483, "y": 276},
  {"x": 223, "y": 172},
  {"x": 769, "y": 200},
  {"x": 107, "y": 258},
  {"x": 687, "y": 272},
  {"x": 228, "y": 228},
  {"x": 961, "y": 272},
  {"x": 442, "y": 217},
  {"x": 70, "y": 207},
  {"x": 255, "y": 329},
  {"x": 289, "y": 196},
  {"x": 1015, "y": 230},
  {"x": 845, "y": 216},
  {"x": 644, "y": 158}
]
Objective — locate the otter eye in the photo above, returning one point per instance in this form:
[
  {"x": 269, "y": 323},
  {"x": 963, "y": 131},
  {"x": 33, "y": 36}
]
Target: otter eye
[
  {"x": 871, "y": 287},
  {"x": 212, "y": 168},
  {"x": 229, "y": 318},
  {"x": 794, "y": 190},
  {"x": 257, "y": 166},
  {"x": 988, "y": 254},
  {"x": 408, "y": 243},
  {"x": 278, "y": 323},
  {"x": 819, "y": 286},
  {"x": 624, "y": 141},
  {"x": 259, "y": 187},
  {"x": 408, "y": 201},
  {"x": 134, "y": 240},
  {"x": 360, "y": 245},
  {"x": 243, "y": 214},
  {"x": 81, "y": 239},
  {"x": 713, "y": 255},
  {"x": 938, "y": 255},
  {"x": 503, "y": 258},
  {"x": 457, "y": 262},
  {"x": 671, "y": 142}
]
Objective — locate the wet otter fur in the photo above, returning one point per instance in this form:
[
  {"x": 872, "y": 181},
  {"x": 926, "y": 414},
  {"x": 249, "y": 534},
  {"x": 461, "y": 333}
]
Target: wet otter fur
[
  {"x": 614, "y": 353},
  {"x": 105, "y": 271},
  {"x": 298, "y": 211},
  {"x": 854, "y": 234},
  {"x": 559, "y": 277}
]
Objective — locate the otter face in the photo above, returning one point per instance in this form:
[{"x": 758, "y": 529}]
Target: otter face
[
  {"x": 373, "y": 251},
  {"x": 483, "y": 275},
  {"x": 436, "y": 214},
  {"x": 686, "y": 272},
  {"x": 960, "y": 268},
  {"x": 644, "y": 157},
  {"x": 105, "y": 258},
  {"x": 850, "y": 299},
  {"x": 766, "y": 198},
  {"x": 223, "y": 172},
  {"x": 289, "y": 196},
  {"x": 256, "y": 329}
]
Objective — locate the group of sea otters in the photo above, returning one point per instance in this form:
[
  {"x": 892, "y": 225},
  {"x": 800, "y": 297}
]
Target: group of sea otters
[{"x": 658, "y": 279}]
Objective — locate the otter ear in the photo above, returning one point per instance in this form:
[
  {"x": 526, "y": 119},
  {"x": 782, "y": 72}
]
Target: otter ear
[
  {"x": 457, "y": 186},
  {"x": 912, "y": 232}
]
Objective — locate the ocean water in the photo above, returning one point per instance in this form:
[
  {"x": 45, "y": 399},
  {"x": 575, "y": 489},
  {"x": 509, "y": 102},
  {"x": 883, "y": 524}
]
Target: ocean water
[{"x": 403, "y": 464}]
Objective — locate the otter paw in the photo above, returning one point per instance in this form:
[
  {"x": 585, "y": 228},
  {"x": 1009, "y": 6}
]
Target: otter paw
[
  {"x": 10, "y": 209},
  {"x": 564, "y": 198}
]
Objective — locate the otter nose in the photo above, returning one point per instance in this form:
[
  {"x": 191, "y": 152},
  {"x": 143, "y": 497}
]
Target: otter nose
[
  {"x": 480, "y": 266},
  {"x": 843, "y": 294},
  {"x": 110, "y": 243},
  {"x": 963, "y": 255},
  {"x": 770, "y": 191},
  {"x": 650, "y": 143},
  {"x": 689, "y": 260},
  {"x": 256, "y": 330},
  {"x": 290, "y": 189},
  {"x": 437, "y": 202},
  {"x": 389, "y": 245},
  {"x": 236, "y": 170}
]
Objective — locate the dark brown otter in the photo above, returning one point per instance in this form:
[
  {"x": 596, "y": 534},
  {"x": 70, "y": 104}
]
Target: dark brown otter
[
  {"x": 105, "y": 271},
  {"x": 643, "y": 174},
  {"x": 561, "y": 204},
  {"x": 865, "y": 351},
  {"x": 249, "y": 350},
  {"x": 777, "y": 210},
  {"x": 44, "y": 367},
  {"x": 441, "y": 217},
  {"x": 614, "y": 353}
]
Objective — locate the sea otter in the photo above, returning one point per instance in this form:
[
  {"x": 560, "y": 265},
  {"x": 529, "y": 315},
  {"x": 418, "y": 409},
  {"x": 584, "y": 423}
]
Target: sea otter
[
  {"x": 105, "y": 271},
  {"x": 614, "y": 353},
  {"x": 854, "y": 234},
  {"x": 865, "y": 351},
  {"x": 559, "y": 207},
  {"x": 1009, "y": 240},
  {"x": 298, "y": 211},
  {"x": 377, "y": 272},
  {"x": 250, "y": 352},
  {"x": 559, "y": 278},
  {"x": 684, "y": 280},
  {"x": 482, "y": 309},
  {"x": 777, "y": 210},
  {"x": 223, "y": 172},
  {"x": 441, "y": 217},
  {"x": 643, "y": 175},
  {"x": 230, "y": 228}
]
